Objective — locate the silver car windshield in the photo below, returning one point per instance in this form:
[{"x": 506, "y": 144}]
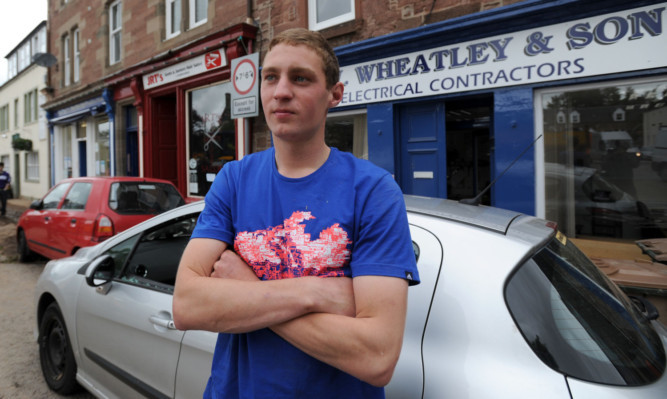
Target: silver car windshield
[{"x": 579, "y": 323}]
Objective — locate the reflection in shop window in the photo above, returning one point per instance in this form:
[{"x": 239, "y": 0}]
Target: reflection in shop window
[
  {"x": 211, "y": 135},
  {"x": 348, "y": 133},
  {"x": 102, "y": 153},
  {"x": 605, "y": 171}
]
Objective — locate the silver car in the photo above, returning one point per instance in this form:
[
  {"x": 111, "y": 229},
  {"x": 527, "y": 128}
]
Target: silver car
[{"x": 507, "y": 308}]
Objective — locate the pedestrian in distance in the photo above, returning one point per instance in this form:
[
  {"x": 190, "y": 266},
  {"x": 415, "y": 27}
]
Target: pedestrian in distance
[
  {"x": 5, "y": 187},
  {"x": 302, "y": 257}
]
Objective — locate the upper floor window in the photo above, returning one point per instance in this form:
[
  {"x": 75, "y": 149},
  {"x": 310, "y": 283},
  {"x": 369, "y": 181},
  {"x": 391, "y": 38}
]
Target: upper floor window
[
  {"x": 198, "y": 12},
  {"x": 173, "y": 18},
  {"x": 16, "y": 113},
  {"x": 4, "y": 118},
  {"x": 326, "y": 13},
  {"x": 24, "y": 56},
  {"x": 67, "y": 62},
  {"x": 30, "y": 106},
  {"x": 77, "y": 55},
  {"x": 115, "y": 29},
  {"x": 11, "y": 66}
]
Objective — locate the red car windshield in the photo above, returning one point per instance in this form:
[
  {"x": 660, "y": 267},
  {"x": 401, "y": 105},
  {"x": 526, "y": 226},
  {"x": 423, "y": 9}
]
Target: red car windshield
[{"x": 141, "y": 198}]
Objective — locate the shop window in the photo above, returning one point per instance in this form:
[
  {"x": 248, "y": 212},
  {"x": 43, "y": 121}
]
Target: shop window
[
  {"x": 198, "y": 12},
  {"x": 66, "y": 138},
  {"x": 212, "y": 135},
  {"x": 347, "y": 132},
  {"x": 173, "y": 18},
  {"x": 605, "y": 176},
  {"x": 115, "y": 30},
  {"x": 32, "y": 166},
  {"x": 323, "y": 14},
  {"x": 102, "y": 153}
]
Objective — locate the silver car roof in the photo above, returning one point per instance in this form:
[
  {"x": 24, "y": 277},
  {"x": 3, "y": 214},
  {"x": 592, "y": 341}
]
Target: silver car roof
[{"x": 495, "y": 219}]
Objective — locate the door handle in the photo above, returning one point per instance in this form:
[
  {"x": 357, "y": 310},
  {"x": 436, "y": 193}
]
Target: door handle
[{"x": 166, "y": 323}]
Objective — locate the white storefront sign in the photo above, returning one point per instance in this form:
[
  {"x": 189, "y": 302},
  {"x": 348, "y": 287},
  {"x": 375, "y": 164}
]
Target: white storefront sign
[
  {"x": 629, "y": 40},
  {"x": 191, "y": 67}
]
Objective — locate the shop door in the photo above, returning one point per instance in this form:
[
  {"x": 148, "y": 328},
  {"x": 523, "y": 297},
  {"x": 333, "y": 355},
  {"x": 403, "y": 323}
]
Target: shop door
[
  {"x": 83, "y": 170},
  {"x": 468, "y": 125},
  {"x": 423, "y": 151},
  {"x": 163, "y": 134},
  {"x": 131, "y": 142}
]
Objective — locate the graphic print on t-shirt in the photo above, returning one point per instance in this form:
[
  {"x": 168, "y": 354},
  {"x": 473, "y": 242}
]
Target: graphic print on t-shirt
[{"x": 286, "y": 251}]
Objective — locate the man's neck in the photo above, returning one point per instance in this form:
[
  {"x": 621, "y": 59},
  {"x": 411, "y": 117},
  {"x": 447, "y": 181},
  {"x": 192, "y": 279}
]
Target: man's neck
[{"x": 300, "y": 160}]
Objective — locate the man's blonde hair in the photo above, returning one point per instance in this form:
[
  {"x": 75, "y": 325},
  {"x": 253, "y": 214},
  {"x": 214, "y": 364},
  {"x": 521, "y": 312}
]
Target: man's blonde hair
[{"x": 316, "y": 42}]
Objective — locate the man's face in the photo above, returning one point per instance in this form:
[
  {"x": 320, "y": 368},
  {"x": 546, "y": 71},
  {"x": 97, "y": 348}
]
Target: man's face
[{"x": 294, "y": 93}]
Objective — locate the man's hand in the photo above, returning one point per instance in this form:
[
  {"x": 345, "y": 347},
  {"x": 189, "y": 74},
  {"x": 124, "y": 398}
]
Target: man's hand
[
  {"x": 335, "y": 293},
  {"x": 231, "y": 266}
]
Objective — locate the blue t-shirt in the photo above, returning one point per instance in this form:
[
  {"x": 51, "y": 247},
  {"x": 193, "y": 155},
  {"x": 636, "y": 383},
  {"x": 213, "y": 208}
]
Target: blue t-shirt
[{"x": 347, "y": 218}]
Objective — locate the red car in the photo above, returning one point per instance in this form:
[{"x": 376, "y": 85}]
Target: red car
[{"x": 84, "y": 211}]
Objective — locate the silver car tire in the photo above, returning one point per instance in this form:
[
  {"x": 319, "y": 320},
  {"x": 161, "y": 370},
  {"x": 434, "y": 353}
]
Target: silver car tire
[{"x": 55, "y": 352}]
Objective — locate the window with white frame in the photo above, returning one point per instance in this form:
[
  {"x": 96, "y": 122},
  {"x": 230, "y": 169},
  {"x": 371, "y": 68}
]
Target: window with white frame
[
  {"x": 198, "y": 12},
  {"x": 12, "y": 63},
  {"x": 77, "y": 55},
  {"x": 32, "y": 165},
  {"x": 115, "y": 30},
  {"x": 67, "y": 62},
  {"x": 42, "y": 41},
  {"x": 173, "y": 18},
  {"x": 16, "y": 113},
  {"x": 4, "y": 118},
  {"x": 30, "y": 106},
  {"x": 24, "y": 56},
  {"x": 323, "y": 14}
]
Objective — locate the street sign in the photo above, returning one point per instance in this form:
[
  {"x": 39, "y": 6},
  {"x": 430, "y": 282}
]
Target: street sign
[{"x": 245, "y": 79}]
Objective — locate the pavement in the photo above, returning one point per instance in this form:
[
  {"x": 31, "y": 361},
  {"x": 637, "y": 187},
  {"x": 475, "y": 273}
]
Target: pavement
[{"x": 15, "y": 208}]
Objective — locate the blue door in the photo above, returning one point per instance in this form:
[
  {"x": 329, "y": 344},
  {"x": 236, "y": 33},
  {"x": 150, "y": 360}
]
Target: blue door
[
  {"x": 82, "y": 158},
  {"x": 423, "y": 150}
]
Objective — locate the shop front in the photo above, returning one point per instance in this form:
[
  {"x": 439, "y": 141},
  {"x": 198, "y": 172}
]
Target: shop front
[
  {"x": 558, "y": 106},
  {"x": 175, "y": 118},
  {"x": 81, "y": 138}
]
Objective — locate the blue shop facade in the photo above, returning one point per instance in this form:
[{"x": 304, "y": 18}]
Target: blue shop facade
[{"x": 562, "y": 103}]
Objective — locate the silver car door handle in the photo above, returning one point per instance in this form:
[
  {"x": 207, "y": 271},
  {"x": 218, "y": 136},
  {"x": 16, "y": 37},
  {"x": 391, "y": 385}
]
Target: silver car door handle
[{"x": 162, "y": 322}]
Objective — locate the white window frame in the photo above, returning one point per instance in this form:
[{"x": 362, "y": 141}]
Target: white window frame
[
  {"x": 67, "y": 62},
  {"x": 193, "y": 13},
  {"x": 13, "y": 67},
  {"x": 170, "y": 18},
  {"x": 116, "y": 8},
  {"x": 312, "y": 16},
  {"x": 32, "y": 166},
  {"x": 16, "y": 113},
  {"x": 77, "y": 56}
]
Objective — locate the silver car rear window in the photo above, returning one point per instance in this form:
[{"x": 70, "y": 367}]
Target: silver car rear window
[{"x": 580, "y": 323}]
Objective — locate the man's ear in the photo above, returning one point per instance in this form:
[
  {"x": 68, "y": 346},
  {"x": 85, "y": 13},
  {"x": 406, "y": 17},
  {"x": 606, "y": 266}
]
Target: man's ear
[{"x": 336, "y": 94}]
